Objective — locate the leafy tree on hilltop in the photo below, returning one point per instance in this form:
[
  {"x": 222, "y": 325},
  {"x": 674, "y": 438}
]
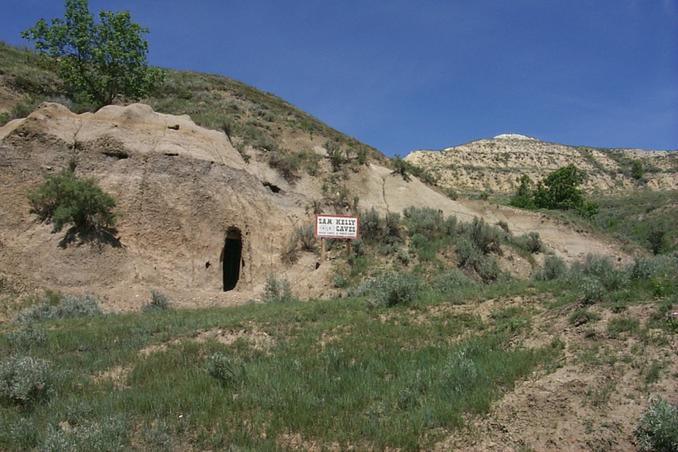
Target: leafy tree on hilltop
[{"x": 98, "y": 61}]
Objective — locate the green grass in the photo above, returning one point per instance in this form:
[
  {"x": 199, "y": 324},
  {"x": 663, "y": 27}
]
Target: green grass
[
  {"x": 631, "y": 218},
  {"x": 374, "y": 383}
]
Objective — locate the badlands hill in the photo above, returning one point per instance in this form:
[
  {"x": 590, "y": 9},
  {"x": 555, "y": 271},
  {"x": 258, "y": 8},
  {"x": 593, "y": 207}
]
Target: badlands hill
[
  {"x": 206, "y": 162},
  {"x": 182, "y": 190},
  {"x": 496, "y": 164}
]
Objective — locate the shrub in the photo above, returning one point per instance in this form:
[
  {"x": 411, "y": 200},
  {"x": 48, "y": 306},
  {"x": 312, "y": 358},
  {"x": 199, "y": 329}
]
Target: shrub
[
  {"x": 54, "y": 307},
  {"x": 656, "y": 239},
  {"x": 424, "y": 220},
  {"x": 65, "y": 198},
  {"x": 554, "y": 268},
  {"x": 646, "y": 268},
  {"x": 27, "y": 337},
  {"x": 582, "y": 316},
  {"x": 24, "y": 380},
  {"x": 221, "y": 367},
  {"x": 658, "y": 427},
  {"x": 450, "y": 280},
  {"x": 393, "y": 289},
  {"x": 601, "y": 267},
  {"x": 108, "y": 434},
  {"x": 504, "y": 226},
  {"x": 159, "y": 302},
  {"x": 485, "y": 237},
  {"x": 637, "y": 170},
  {"x": 524, "y": 197},
  {"x": 530, "y": 242},
  {"x": 277, "y": 290},
  {"x": 306, "y": 237},
  {"x": 592, "y": 291},
  {"x": 402, "y": 168}
]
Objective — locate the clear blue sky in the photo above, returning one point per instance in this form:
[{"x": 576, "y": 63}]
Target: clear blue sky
[{"x": 401, "y": 75}]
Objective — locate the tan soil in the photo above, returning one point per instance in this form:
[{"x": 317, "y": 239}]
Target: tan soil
[{"x": 178, "y": 187}]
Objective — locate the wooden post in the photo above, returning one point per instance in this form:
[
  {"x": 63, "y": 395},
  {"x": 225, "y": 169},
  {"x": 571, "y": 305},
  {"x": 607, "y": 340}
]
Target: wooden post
[
  {"x": 323, "y": 253},
  {"x": 349, "y": 245}
]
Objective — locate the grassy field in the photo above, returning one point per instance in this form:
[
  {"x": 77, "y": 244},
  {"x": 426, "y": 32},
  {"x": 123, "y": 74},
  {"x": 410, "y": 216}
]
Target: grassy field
[{"x": 264, "y": 376}]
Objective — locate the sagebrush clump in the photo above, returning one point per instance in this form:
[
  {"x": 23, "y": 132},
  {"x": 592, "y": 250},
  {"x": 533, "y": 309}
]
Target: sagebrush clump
[
  {"x": 393, "y": 289},
  {"x": 25, "y": 380},
  {"x": 554, "y": 268},
  {"x": 55, "y": 307},
  {"x": 277, "y": 290},
  {"x": 658, "y": 427},
  {"x": 159, "y": 302}
]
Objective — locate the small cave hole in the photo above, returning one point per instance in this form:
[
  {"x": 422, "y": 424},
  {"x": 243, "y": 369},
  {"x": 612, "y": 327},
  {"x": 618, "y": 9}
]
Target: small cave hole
[
  {"x": 116, "y": 154},
  {"x": 232, "y": 259},
  {"x": 274, "y": 188},
  {"x": 207, "y": 264}
]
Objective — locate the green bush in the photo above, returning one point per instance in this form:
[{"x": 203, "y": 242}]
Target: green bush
[
  {"x": 637, "y": 170},
  {"x": 471, "y": 258},
  {"x": 221, "y": 367},
  {"x": 646, "y": 268},
  {"x": 424, "y": 220},
  {"x": 108, "y": 434},
  {"x": 277, "y": 290},
  {"x": 450, "y": 280},
  {"x": 159, "y": 302},
  {"x": 658, "y": 427},
  {"x": 485, "y": 237},
  {"x": 530, "y": 242},
  {"x": 524, "y": 197},
  {"x": 65, "y": 198},
  {"x": 592, "y": 291},
  {"x": 24, "y": 380},
  {"x": 554, "y": 268},
  {"x": 306, "y": 237},
  {"x": 393, "y": 289},
  {"x": 27, "y": 337},
  {"x": 601, "y": 267},
  {"x": 656, "y": 239},
  {"x": 60, "y": 307}
]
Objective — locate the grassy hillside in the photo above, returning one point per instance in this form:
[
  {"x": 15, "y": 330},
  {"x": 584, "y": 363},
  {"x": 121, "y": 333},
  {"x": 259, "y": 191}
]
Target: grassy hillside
[
  {"x": 318, "y": 374},
  {"x": 648, "y": 219},
  {"x": 249, "y": 116}
]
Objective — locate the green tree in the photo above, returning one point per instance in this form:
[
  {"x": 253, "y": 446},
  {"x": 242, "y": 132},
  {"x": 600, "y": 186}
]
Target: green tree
[
  {"x": 560, "y": 189},
  {"x": 524, "y": 197},
  {"x": 98, "y": 61},
  {"x": 637, "y": 170}
]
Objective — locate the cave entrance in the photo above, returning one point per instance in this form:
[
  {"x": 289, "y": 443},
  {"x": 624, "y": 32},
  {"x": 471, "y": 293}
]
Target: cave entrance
[{"x": 232, "y": 258}]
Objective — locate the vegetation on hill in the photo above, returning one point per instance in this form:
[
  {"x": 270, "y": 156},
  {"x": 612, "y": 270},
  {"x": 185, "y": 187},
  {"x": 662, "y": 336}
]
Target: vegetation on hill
[
  {"x": 356, "y": 372},
  {"x": 98, "y": 61},
  {"x": 559, "y": 190}
]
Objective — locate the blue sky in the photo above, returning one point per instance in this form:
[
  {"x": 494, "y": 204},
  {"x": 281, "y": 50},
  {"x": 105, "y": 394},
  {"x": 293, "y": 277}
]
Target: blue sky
[{"x": 403, "y": 75}]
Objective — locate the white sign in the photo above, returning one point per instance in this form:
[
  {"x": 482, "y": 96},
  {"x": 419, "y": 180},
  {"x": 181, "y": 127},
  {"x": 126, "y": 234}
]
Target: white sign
[{"x": 336, "y": 227}]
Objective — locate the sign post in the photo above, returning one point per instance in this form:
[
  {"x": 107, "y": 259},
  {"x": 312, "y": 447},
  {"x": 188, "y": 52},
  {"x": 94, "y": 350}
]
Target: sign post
[{"x": 336, "y": 227}]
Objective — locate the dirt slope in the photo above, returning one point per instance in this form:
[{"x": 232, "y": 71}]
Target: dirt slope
[
  {"x": 179, "y": 188},
  {"x": 592, "y": 401},
  {"x": 496, "y": 164}
]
